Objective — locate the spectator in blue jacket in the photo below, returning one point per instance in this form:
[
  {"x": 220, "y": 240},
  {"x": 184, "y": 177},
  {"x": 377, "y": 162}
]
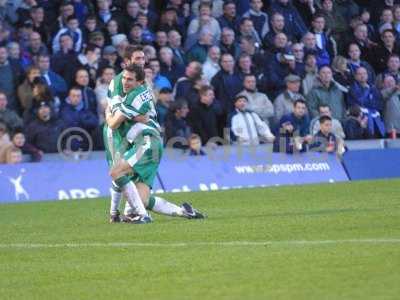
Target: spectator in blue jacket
[
  {"x": 293, "y": 132},
  {"x": 159, "y": 80},
  {"x": 75, "y": 114},
  {"x": 56, "y": 83},
  {"x": 370, "y": 100},
  {"x": 259, "y": 18},
  {"x": 293, "y": 21}
]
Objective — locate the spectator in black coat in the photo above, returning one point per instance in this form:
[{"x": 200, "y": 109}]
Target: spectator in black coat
[
  {"x": 177, "y": 131},
  {"x": 169, "y": 68},
  {"x": 65, "y": 62},
  {"x": 355, "y": 126},
  {"x": 185, "y": 86},
  {"x": 227, "y": 83},
  {"x": 44, "y": 131},
  {"x": 9, "y": 77},
  {"x": 19, "y": 140},
  {"x": 203, "y": 117},
  {"x": 8, "y": 116}
]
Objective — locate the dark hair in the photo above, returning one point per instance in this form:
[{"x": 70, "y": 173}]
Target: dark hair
[
  {"x": 137, "y": 70},
  {"x": 91, "y": 48},
  {"x": 317, "y": 16},
  {"x": 299, "y": 101},
  {"x": 323, "y": 119},
  {"x": 204, "y": 89},
  {"x": 130, "y": 50},
  {"x": 354, "y": 110},
  {"x": 72, "y": 17},
  {"x": 244, "y": 20},
  {"x": 323, "y": 105},
  {"x": 388, "y": 30},
  {"x": 205, "y": 4},
  {"x": 165, "y": 90},
  {"x": 91, "y": 17},
  {"x": 178, "y": 104},
  {"x": 237, "y": 97},
  {"x": 226, "y": 3},
  {"x": 75, "y": 87}
]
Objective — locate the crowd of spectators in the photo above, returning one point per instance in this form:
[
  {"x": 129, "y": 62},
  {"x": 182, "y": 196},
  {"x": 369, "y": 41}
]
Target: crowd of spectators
[{"x": 301, "y": 74}]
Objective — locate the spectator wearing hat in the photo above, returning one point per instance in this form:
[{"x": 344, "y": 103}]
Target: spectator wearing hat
[
  {"x": 257, "y": 102},
  {"x": 8, "y": 116},
  {"x": 326, "y": 91},
  {"x": 9, "y": 77},
  {"x": 43, "y": 132},
  {"x": 283, "y": 104},
  {"x": 246, "y": 127},
  {"x": 293, "y": 130},
  {"x": 73, "y": 30},
  {"x": 111, "y": 58}
]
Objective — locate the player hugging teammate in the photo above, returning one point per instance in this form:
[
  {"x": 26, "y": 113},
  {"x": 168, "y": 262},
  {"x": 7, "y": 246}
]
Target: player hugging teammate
[{"x": 134, "y": 146}]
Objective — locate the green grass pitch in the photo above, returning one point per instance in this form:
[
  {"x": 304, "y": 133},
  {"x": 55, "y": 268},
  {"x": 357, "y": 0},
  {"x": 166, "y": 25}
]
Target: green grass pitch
[{"x": 332, "y": 241}]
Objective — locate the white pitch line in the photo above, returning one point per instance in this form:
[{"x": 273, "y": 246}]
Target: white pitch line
[{"x": 196, "y": 244}]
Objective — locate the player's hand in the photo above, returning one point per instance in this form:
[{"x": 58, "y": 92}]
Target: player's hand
[{"x": 142, "y": 119}]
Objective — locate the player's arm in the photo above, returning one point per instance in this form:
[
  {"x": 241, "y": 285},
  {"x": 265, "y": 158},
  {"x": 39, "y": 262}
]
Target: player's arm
[{"x": 114, "y": 120}]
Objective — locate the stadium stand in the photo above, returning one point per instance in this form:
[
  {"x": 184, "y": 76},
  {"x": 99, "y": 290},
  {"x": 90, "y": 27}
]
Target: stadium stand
[{"x": 343, "y": 52}]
